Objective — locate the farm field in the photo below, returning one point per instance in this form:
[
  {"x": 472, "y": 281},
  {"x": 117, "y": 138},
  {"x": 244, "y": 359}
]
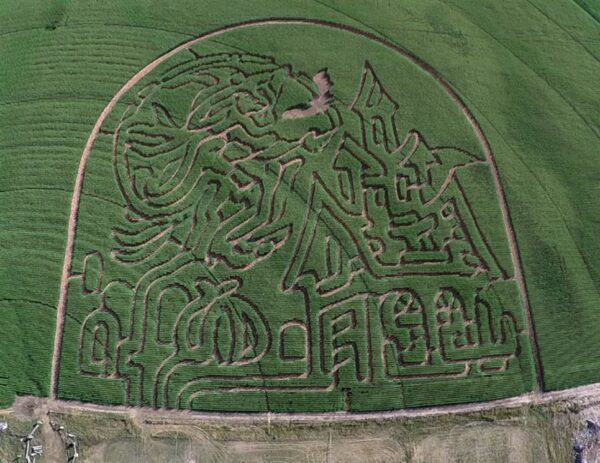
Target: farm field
[
  {"x": 300, "y": 207},
  {"x": 541, "y": 433}
]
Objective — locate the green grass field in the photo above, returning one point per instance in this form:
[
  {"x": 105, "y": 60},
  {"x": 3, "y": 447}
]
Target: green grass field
[{"x": 299, "y": 206}]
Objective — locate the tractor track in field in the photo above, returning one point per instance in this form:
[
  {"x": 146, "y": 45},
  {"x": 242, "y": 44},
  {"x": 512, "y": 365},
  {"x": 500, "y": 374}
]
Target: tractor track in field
[{"x": 589, "y": 393}]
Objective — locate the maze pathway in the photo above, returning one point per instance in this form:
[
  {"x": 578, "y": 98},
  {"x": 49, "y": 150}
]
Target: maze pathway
[
  {"x": 302, "y": 213},
  {"x": 288, "y": 232}
]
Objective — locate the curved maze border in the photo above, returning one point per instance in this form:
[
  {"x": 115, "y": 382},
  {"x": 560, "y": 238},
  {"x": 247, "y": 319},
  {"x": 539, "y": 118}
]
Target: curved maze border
[{"x": 72, "y": 224}]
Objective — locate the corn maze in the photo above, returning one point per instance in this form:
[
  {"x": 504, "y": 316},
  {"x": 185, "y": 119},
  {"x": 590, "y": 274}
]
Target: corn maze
[{"x": 258, "y": 231}]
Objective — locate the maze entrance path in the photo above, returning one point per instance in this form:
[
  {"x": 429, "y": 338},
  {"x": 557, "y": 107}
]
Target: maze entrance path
[{"x": 290, "y": 215}]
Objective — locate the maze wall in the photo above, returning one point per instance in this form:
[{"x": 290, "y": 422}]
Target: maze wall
[{"x": 260, "y": 228}]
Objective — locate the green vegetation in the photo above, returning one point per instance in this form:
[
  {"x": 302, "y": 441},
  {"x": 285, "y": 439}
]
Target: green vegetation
[
  {"x": 300, "y": 216},
  {"x": 274, "y": 241}
]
